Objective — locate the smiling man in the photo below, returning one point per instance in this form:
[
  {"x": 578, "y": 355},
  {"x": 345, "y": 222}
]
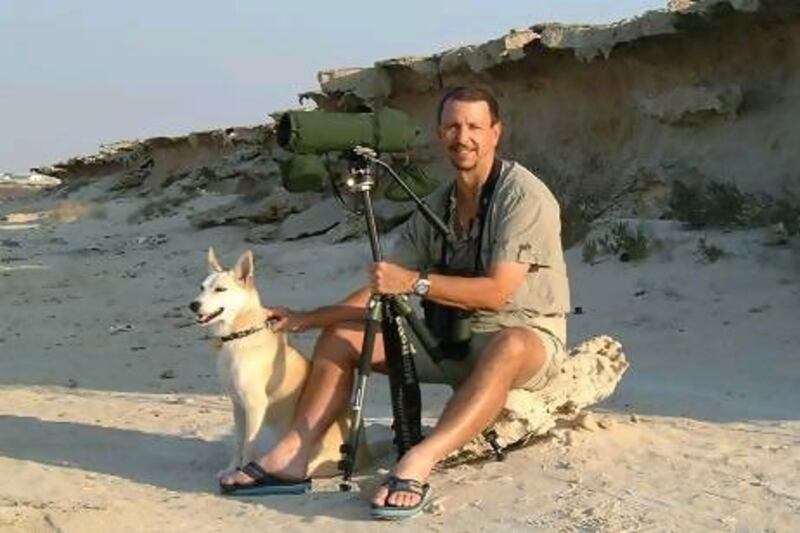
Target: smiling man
[{"x": 496, "y": 297}]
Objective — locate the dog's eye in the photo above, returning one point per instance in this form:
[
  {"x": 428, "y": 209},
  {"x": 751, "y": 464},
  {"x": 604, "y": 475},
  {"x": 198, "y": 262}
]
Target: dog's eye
[{"x": 220, "y": 289}]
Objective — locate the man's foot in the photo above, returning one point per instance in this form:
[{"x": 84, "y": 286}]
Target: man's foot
[
  {"x": 263, "y": 484},
  {"x": 413, "y": 466},
  {"x": 394, "y": 485},
  {"x": 286, "y": 461}
]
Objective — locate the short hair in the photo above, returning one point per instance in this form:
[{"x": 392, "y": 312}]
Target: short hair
[{"x": 469, "y": 94}]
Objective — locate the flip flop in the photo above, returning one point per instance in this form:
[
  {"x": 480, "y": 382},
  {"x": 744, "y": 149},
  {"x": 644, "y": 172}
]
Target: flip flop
[
  {"x": 396, "y": 512},
  {"x": 264, "y": 483}
]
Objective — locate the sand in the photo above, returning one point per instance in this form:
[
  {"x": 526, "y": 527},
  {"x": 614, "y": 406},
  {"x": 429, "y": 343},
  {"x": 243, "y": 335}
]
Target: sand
[{"x": 112, "y": 417}]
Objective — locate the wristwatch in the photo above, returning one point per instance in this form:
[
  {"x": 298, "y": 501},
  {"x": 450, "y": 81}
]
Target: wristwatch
[{"x": 422, "y": 285}]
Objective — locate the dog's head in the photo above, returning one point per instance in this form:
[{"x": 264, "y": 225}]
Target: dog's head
[{"x": 226, "y": 294}]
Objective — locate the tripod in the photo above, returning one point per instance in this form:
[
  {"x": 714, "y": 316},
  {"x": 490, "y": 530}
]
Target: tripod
[{"x": 390, "y": 313}]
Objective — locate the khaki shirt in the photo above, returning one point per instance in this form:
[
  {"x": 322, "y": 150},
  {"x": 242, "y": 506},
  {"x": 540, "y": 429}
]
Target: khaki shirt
[{"x": 523, "y": 226}]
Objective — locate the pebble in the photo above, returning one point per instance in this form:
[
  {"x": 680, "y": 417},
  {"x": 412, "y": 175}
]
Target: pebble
[
  {"x": 585, "y": 421},
  {"x": 436, "y": 507},
  {"x": 605, "y": 423}
]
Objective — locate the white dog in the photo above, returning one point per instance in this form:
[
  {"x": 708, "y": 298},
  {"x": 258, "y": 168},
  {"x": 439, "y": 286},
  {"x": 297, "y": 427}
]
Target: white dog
[{"x": 261, "y": 372}]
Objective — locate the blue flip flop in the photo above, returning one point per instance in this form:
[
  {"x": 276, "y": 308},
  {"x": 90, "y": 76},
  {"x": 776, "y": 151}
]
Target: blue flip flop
[
  {"x": 394, "y": 512},
  {"x": 264, "y": 483}
]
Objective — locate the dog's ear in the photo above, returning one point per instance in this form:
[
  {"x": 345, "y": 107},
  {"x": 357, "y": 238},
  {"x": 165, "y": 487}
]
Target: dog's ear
[
  {"x": 245, "y": 268},
  {"x": 213, "y": 262}
]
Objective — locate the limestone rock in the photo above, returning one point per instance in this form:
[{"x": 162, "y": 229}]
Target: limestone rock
[
  {"x": 680, "y": 5},
  {"x": 685, "y": 105},
  {"x": 262, "y": 234},
  {"x": 588, "y": 376},
  {"x": 580, "y": 104},
  {"x": 273, "y": 208},
  {"x": 352, "y": 227},
  {"x": 318, "y": 219}
]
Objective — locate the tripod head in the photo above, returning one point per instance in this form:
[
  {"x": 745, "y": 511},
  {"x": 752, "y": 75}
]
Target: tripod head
[{"x": 361, "y": 177}]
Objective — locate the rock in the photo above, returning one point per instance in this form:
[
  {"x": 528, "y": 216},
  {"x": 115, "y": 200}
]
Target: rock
[
  {"x": 692, "y": 105},
  {"x": 120, "y": 328},
  {"x": 318, "y": 219},
  {"x": 605, "y": 423},
  {"x": 435, "y": 507},
  {"x": 260, "y": 234},
  {"x": 167, "y": 374},
  {"x": 353, "y": 227},
  {"x": 152, "y": 241},
  {"x": 589, "y": 375},
  {"x": 680, "y": 5},
  {"x": 585, "y": 420},
  {"x": 274, "y": 208}
]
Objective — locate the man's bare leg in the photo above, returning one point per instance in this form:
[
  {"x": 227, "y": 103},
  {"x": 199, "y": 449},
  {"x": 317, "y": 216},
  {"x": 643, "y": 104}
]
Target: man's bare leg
[
  {"x": 511, "y": 358},
  {"x": 326, "y": 393}
]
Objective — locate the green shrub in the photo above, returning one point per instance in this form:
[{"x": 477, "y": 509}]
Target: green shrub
[
  {"x": 723, "y": 205},
  {"x": 620, "y": 241},
  {"x": 708, "y": 252},
  {"x": 590, "y": 251},
  {"x": 716, "y": 205}
]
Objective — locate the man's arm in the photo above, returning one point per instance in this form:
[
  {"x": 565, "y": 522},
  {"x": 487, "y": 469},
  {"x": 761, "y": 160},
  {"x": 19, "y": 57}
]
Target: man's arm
[
  {"x": 352, "y": 308},
  {"x": 489, "y": 292}
]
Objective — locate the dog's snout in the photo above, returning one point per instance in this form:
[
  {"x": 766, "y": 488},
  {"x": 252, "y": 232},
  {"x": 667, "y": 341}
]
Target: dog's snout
[{"x": 194, "y": 306}]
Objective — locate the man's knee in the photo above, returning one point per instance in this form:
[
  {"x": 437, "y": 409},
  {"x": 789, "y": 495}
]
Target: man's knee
[
  {"x": 513, "y": 350},
  {"x": 510, "y": 343},
  {"x": 340, "y": 344}
]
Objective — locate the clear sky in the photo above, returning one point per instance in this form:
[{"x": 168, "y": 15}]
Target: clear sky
[{"x": 78, "y": 73}]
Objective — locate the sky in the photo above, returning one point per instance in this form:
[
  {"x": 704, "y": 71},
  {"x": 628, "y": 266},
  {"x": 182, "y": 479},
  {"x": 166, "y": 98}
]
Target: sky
[{"x": 76, "y": 74}]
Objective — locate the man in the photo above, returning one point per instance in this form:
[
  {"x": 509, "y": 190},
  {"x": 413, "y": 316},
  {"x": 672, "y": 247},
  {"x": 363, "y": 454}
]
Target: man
[{"x": 505, "y": 267}]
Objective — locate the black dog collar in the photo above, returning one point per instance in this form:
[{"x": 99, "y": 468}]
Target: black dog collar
[{"x": 240, "y": 334}]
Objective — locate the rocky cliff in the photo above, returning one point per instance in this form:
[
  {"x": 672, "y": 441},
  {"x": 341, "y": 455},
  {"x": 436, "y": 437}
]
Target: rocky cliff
[{"x": 705, "y": 91}]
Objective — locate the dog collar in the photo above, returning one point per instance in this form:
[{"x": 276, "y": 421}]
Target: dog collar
[{"x": 240, "y": 334}]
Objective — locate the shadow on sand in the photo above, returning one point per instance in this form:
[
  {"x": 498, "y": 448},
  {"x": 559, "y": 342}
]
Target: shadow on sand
[{"x": 183, "y": 464}]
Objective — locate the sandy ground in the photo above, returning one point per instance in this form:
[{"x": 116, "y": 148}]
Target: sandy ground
[{"x": 111, "y": 417}]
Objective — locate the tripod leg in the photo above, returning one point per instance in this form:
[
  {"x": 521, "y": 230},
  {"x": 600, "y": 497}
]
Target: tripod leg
[{"x": 349, "y": 449}]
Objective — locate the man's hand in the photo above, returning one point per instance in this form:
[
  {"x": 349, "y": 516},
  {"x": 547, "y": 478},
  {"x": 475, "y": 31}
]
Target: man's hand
[
  {"x": 283, "y": 319},
  {"x": 388, "y": 278}
]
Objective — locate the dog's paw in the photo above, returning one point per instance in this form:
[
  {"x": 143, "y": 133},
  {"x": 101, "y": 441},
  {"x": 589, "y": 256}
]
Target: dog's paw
[{"x": 226, "y": 472}]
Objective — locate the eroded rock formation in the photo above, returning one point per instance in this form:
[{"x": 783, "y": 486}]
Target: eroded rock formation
[{"x": 706, "y": 90}]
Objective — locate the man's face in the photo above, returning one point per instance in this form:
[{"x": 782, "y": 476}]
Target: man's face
[{"x": 467, "y": 133}]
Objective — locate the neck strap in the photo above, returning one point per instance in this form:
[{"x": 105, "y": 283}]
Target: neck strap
[{"x": 484, "y": 202}]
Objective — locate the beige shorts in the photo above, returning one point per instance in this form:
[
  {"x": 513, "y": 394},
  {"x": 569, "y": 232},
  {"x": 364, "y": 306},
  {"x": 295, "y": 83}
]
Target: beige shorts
[{"x": 551, "y": 330}]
